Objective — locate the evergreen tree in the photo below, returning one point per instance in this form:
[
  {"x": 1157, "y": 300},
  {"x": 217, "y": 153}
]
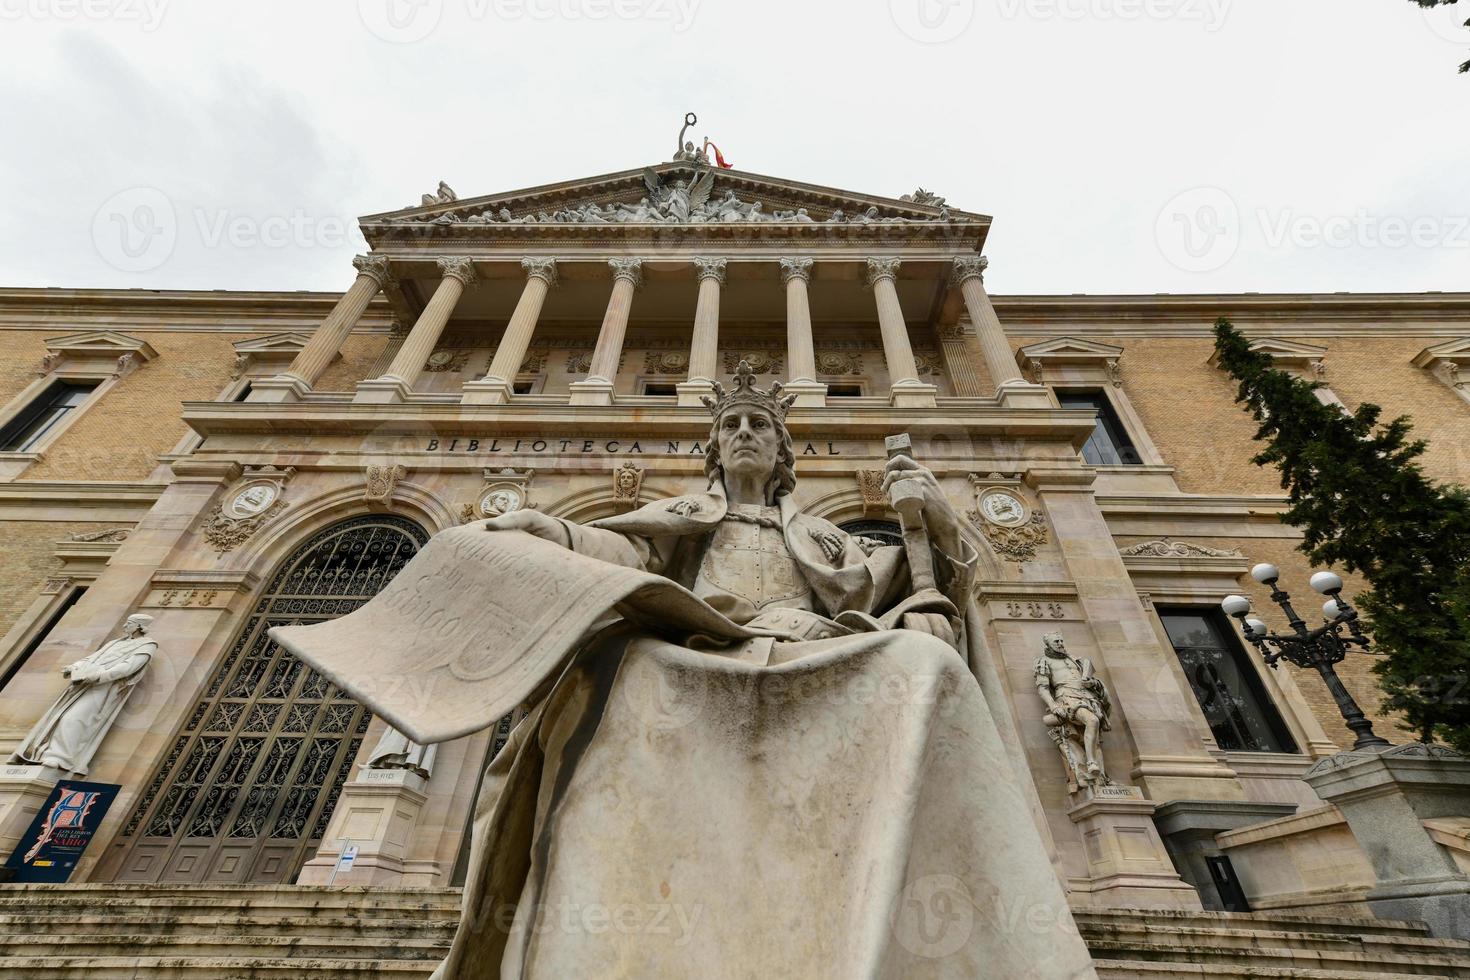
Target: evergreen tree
[
  {"x": 1445, "y": 3},
  {"x": 1362, "y": 501}
]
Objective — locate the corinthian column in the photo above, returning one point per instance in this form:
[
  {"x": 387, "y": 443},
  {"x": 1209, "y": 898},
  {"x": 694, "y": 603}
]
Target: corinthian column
[
  {"x": 801, "y": 358},
  {"x": 395, "y": 386},
  {"x": 598, "y": 388},
  {"x": 1011, "y": 387},
  {"x": 326, "y": 341},
  {"x": 903, "y": 374},
  {"x": 498, "y": 384},
  {"x": 705, "y": 344}
]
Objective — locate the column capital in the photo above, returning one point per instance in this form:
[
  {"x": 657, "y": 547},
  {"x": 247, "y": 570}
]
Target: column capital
[
  {"x": 374, "y": 267},
  {"x": 543, "y": 269},
  {"x": 969, "y": 267},
  {"x": 459, "y": 268},
  {"x": 796, "y": 269},
  {"x": 879, "y": 269},
  {"x": 630, "y": 269},
  {"x": 710, "y": 269}
]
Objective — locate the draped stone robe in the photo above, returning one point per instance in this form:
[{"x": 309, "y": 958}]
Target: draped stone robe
[
  {"x": 808, "y": 793},
  {"x": 835, "y": 807},
  {"x": 68, "y": 734}
]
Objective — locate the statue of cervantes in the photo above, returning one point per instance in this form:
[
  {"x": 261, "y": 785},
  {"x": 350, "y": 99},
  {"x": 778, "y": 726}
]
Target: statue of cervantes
[
  {"x": 753, "y": 747},
  {"x": 68, "y": 734},
  {"x": 1078, "y": 710}
]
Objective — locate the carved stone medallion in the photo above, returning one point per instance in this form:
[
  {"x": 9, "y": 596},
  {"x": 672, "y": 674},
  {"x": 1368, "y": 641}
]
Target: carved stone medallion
[
  {"x": 252, "y": 500},
  {"x": 1015, "y": 531},
  {"x": 505, "y": 492}
]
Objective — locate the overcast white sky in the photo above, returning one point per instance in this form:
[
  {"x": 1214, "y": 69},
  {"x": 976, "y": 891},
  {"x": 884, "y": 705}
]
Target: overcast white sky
[{"x": 1121, "y": 145}]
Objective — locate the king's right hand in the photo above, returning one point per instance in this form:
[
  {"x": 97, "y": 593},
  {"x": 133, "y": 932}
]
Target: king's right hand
[{"x": 533, "y": 522}]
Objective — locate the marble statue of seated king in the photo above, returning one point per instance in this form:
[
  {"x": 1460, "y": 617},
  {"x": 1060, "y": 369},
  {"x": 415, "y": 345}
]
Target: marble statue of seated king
[{"x": 767, "y": 756}]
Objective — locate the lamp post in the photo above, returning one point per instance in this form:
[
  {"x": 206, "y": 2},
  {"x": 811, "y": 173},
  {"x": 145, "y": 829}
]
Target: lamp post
[{"x": 1321, "y": 648}]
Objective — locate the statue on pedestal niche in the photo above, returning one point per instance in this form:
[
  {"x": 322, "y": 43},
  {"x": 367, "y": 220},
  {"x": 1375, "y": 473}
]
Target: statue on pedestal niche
[
  {"x": 68, "y": 734},
  {"x": 396, "y": 750},
  {"x": 756, "y": 747},
  {"x": 1078, "y": 707}
]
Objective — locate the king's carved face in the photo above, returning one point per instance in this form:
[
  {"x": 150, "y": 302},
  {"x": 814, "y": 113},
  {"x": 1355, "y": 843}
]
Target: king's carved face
[{"x": 749, "y": 442}]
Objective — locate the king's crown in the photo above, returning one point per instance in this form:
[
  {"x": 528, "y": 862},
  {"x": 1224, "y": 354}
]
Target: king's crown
[{"x": 746, "y": 393}]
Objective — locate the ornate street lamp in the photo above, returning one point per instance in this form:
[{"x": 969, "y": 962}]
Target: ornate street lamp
[{"x": 1321, "y": 648}]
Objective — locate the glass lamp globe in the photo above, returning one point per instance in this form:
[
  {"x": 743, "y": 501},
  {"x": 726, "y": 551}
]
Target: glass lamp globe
[
  {"x": 1265, "y": 573},
  {"x": 1256, "y": 627},
  {"x": 1236, "y": 605},
  {"x": 1332, "y": 610},
  {"x": 1327, "y": 582}
]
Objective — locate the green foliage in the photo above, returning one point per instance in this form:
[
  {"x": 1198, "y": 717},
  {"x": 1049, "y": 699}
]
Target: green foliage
[
  {"x": 1444, "y": 3},
  {"x": 1362, "y": 501}
]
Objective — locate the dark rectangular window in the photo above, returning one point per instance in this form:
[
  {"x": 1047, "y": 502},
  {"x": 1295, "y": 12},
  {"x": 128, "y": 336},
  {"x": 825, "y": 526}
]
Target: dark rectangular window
[
  {"x": 521, "y": 387},
  {"x": 1109, "y": 444},
  {"x": 1225, "y": 683},
  {"x": 652, "y": 388},
  {"x": 31, "y": 647},
  {"x": 845, "y": 391},
  {"x": 44, "y": 414}
]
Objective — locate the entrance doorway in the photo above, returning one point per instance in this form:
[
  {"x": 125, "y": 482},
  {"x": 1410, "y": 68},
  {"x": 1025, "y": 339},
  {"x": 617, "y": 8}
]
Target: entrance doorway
[{"x": 249, "y": 783}]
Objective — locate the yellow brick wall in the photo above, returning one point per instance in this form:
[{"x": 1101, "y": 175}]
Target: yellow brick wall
[
  {"x": 122, "y": 435},
  {"x": 29, "y": 561},
  {"x": 359, "y": 354}
]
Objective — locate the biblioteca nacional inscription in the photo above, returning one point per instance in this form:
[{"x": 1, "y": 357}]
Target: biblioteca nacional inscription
[{"x": 589, "y": 447}]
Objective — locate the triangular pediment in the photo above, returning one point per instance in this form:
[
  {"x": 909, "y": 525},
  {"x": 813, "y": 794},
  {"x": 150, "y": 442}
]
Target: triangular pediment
[
  {"x": 1451, "y": 351},
  {"x": 100, "y": 343},
  {"x": 1286, "y": 353},
  {"x": 1065, "y": 350},
  {"x": 674, "y": 197},
  {"x": 276, "y": 343}
]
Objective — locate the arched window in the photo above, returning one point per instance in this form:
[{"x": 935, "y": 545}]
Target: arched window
[
  {"x": 249, "y": 783},
  {"x": 888, "y": 532}
]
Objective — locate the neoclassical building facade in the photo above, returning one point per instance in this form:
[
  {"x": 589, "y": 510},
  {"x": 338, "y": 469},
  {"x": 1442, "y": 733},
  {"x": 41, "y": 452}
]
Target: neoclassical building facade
[{"x": 225, "y": 462}]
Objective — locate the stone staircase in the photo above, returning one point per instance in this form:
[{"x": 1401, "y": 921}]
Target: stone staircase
[{"x": 103, "y": 932}]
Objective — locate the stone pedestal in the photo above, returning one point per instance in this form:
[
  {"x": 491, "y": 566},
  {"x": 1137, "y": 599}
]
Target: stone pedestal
[
  {"x": 487, "y": 391},
  {"x": 386, "y": 390},
  {"x": 593, "y": 391},
  {"x": 912, "y": 394},
  {"x": 23, "y": 791},
  {"x": 1024, "y": 394},
  {"x": 1126, "y": 858},
  {"x": 690, "y": 392},
  {"x": 1188, "y": 828},
  {"x": 378, "y": 813},
  {"x": 1387, "y": 797},
  {"x": 809, "y": 394},
  {"x": 282, "y": 388}
]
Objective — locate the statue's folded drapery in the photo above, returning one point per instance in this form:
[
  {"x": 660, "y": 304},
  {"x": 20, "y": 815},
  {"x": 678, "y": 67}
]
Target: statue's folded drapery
[{"x": 696, "y": 797}]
